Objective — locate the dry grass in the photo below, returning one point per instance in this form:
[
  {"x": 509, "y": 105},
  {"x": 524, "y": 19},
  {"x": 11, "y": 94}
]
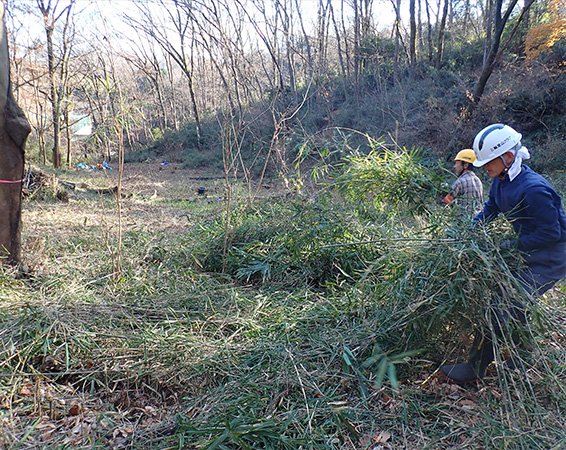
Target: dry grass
[{"x": 166, "y": 356}]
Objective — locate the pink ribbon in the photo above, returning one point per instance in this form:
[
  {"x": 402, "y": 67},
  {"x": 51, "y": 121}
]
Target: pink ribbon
[{"x": 11, "y": 181}]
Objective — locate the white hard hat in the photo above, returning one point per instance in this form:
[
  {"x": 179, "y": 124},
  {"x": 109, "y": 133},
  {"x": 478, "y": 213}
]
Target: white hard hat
[{"x": 493, "y": 141}]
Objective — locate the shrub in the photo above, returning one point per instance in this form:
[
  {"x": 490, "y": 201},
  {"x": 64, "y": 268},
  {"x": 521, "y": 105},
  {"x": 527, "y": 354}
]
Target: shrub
[{"x": 292, "y": 242}]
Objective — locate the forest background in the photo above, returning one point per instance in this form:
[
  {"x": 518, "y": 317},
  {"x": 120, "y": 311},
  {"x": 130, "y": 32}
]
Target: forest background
[
  {"x": 267, "y": 264},
  {"x": 190, "y": 81}
]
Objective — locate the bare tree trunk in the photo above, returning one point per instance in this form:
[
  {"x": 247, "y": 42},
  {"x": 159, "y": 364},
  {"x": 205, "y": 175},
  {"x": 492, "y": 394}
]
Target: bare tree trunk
[
  {"x": 345, "y": 34},
  {"x": 413, "y": 33},
  {"x": 322, "y": 34},
  {"x": 356, "y": 44},
  {"x": 428, "y": 31},
  {"x": 64, "y": 90},
  {"x": 50, "y": 18},
  {"x": 181, "y": 19},
  {"x": 420, "y": 38},
  {"x": 441, "y": 29},
  {"x": 270, "y": 42},
  {"x": 396, "y": 31},
  {"x": 41, "y": 145},
  {"x": 67, "y": 122},
  {"x": 14, "y": 129},
  {"x": 286, "y": 26},
  {"x": 40, "y": 125},
  {"x": 191, "y": 81},
  {"x": 488, "y": 25},
  {"x": 338, "y": 44},
  {"x": 500, "y": 21},
  {"x": 55, "y": 153},
  {"x": 171, "y": 82},
  {"x": 310, "y": 60}
]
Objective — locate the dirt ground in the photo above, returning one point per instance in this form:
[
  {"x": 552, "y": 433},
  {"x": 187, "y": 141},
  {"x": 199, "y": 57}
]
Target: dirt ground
[
  {"x": 160, "y": 200},
  {"x": 149, "y": 193},
  {"x": 155, "y": 180}
]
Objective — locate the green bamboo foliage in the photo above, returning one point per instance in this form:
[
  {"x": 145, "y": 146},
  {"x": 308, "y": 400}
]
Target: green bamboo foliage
[{"x": 387, "y": 179}]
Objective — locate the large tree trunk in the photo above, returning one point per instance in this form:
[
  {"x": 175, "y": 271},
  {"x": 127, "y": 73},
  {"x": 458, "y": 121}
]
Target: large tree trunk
[{"x": 14, "y": 129}]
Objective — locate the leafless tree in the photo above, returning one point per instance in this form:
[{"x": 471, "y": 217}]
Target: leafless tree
[
  {"x": 180, "y": 46},
  {"x": 413, "y": 35},
  {"x": 51, "y": 15},
  {"x": 428, "y": 31},
  {"x": 441, "y": 34},
  {"x": 500, "y": 20}
]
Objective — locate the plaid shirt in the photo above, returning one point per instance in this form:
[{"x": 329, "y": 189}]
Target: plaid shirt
[{"x": 468, "y": 189}]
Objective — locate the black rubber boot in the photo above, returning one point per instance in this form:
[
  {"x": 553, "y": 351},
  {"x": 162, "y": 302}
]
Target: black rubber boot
[
  {"x": 481, "y": 356},
  {"x": 460, "y": 373}
]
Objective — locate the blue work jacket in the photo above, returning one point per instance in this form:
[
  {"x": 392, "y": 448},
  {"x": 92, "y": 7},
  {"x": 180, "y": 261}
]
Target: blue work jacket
[{"x": 535, "y": 211}]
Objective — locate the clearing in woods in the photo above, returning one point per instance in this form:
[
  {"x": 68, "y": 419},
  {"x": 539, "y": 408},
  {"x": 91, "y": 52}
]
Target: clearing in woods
[{"x": 174, "y": 352}]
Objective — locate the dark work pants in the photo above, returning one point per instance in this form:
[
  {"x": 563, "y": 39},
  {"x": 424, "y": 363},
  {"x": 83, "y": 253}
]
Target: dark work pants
[{"x": 544, "y": 268}]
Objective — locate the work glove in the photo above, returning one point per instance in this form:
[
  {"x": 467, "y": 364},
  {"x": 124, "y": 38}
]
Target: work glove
[
  {"x": 447, "y": 199},
  {"x": 508, "y": 244}
]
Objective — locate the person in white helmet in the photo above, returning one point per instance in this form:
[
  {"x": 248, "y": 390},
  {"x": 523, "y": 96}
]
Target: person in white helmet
[
  {"x": 536, "y": 213},
  {"x": 467, "y": 190}
]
